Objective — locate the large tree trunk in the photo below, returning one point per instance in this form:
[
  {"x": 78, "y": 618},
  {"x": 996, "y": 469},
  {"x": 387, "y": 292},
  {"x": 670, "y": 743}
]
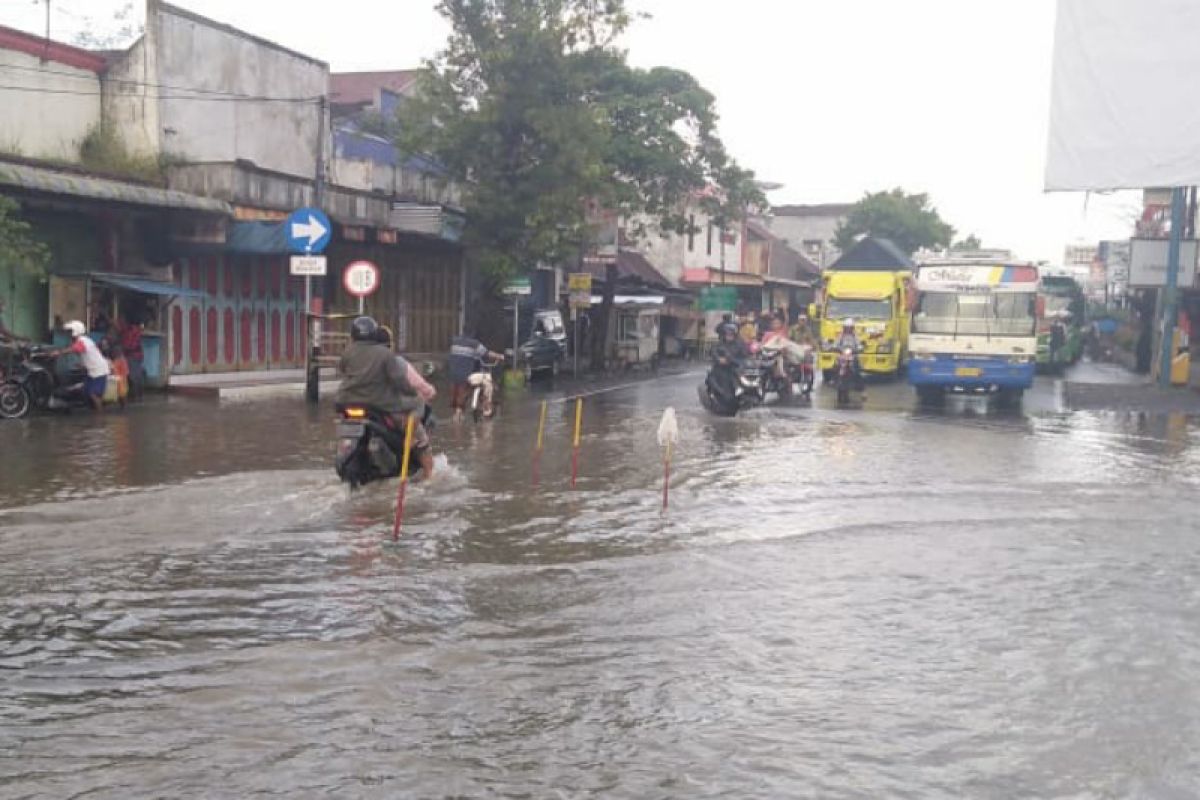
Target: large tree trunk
[{"x": 603, "y": 328}]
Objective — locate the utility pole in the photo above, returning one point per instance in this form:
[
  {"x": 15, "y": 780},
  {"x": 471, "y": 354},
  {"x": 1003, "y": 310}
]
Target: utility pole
[
  {"x": 1170, "y": 302},
  {"x": 312, "y": 368},
  {"x": 46, "y": 54}
]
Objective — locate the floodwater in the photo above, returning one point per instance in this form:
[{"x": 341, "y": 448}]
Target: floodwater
[{"x": 870, "y": 602}]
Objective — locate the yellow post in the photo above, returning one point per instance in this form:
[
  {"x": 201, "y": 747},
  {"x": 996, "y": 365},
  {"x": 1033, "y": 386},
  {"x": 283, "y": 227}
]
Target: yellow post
[
  {"x": 541, "y": 426},
  {"x": 578, "y": 419},
  {"x": 408, "y": 436},
  {"x": 575, "y": 449},
  {"x": 537, "y": 450}
]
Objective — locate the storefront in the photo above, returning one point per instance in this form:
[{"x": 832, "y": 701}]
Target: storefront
[{"x": 99, "y": 300}]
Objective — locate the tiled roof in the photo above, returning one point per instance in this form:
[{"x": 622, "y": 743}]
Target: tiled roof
[{"x": 359, "y": 88}]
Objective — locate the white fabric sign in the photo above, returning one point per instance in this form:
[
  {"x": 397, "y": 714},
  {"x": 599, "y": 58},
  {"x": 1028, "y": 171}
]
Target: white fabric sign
[{"x": 1123, "y": 111}]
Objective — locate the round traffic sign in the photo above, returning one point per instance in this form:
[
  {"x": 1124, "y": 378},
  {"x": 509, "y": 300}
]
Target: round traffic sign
[{"x": 360, "y": 278}]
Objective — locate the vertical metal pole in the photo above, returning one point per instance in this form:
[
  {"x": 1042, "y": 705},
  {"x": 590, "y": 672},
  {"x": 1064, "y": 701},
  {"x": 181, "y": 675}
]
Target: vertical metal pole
[
  {"x": 575, "y": 313},
  {"x": 516, "y": 330},
  {"x": 312, "y": 388},
  {"x": 1170, "y": 302},
  {"x": 360, "y": 305}
]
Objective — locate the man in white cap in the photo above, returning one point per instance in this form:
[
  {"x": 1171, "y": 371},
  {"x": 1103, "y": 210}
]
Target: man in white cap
[{"x": 93, "y": 361}]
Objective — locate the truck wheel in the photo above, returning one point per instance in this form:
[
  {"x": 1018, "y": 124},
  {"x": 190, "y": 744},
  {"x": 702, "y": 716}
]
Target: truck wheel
[
  {"x": 930, "y": 395},
  {"x": 1009, "y": 398}
]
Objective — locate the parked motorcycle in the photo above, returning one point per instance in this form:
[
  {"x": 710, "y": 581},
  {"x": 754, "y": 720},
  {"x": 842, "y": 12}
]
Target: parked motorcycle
[
  {"x": 731, "y": 387},
  {"x": 36, "y": 382},
  {"x": 370, "y": 445}
]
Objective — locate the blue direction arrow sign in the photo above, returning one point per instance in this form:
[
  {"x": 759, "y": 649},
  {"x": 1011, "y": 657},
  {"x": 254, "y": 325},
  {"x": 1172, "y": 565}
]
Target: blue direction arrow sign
[{"x": 308, "y": 230}]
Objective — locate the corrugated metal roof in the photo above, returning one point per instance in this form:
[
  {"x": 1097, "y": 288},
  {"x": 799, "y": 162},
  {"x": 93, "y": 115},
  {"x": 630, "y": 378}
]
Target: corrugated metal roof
[{"x": 49, "y": 181}]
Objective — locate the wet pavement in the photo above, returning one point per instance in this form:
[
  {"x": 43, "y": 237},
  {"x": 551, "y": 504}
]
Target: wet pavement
[{"x": 881, "y": 601}]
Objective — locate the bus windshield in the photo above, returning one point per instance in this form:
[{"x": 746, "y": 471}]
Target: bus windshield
[
  {"x": 953, "y": 314},
  {"x": 845, "y": 308}
]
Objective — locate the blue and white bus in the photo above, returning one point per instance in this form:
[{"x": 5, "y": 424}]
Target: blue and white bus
[{"x": 974, "y": 329}]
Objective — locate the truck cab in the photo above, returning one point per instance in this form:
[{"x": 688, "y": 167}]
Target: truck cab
[{"x": 878, "y": 302}]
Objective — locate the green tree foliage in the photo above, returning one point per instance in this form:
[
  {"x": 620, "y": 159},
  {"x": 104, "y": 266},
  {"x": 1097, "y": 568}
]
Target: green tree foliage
[
  {"x": 908, "y": 220},
  {"x": 20, "y": 250},
  {"x": 533, "y": 108},
  {"x": 969, "y": 243}
]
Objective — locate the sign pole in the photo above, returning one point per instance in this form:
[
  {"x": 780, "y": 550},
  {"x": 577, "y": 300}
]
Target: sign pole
[
  {"x": 516, "y": 331},
  {"x": 1178, "y": 202},
  {"x": 360, "y": 305},
  {"x": 576, "y": 370},
  {"x": 312, "y": 375}
]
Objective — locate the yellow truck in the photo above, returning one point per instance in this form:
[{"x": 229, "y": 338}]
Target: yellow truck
[{"x": 879, "y": 304}]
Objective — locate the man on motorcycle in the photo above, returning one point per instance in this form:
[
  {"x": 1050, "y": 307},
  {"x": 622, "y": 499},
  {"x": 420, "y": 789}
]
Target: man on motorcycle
[
  {"x": 848, "y": 340},
  {"x": 467, "y": 357},
  {"x": 92, "y": 360},
  {"x": 372, "y": 376}
]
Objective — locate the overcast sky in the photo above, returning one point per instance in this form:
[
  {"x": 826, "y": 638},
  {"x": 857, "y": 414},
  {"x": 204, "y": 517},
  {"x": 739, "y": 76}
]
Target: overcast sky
[{"x": 830, "y": 99}]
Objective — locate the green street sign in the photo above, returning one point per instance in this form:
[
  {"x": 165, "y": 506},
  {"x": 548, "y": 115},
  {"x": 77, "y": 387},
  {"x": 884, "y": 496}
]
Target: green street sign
[
  {"x": 718, "y": 298},
  {"x": 518, "y": 286}
]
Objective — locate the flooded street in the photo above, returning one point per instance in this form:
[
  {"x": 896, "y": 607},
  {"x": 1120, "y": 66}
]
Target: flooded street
[{"x": 871, "y": 602}]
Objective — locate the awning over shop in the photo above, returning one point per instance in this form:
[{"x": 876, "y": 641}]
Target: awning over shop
[
  {"x": 257, "y": 238},
  {"x": 143, "y": 285},
  {"x": 771, "y": 280},
  {"x": 705, "y": 277},
  {"x": 49, "y": 181},
  {"x": 646, "y": 300}
]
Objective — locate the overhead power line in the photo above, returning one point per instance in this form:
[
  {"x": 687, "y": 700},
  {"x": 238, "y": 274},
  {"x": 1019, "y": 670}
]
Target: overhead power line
[
  {"x": 203, "y": 99},
  {"x": 215, "y": 93}
]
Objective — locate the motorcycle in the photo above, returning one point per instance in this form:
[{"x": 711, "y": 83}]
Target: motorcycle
[
  {"x": 478, "y": 380},
  {"x": 731, "y": 387},
  {"x": 845, "y": 375},
  {"x": 790, "y": 365},
  {"x": 35, "y": 382},
  {"x": 370, "y": 445}
]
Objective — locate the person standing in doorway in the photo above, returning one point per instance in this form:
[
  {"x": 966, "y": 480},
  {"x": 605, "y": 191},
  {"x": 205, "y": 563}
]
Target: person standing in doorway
[{"x": 129, "y": 337}]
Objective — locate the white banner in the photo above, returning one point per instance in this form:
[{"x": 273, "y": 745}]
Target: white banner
[
  {"x": 1148, "y": 263},
  {"x": 1122, "y": 109}
]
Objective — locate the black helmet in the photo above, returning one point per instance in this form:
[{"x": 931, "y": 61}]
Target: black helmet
[{"x": 363, "y": 329}]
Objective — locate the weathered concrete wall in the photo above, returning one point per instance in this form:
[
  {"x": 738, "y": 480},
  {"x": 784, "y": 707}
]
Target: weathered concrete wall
[
  {"x": 208, "y": 123},
  {"x": 672, "y": 254},
  {"x": 130, "y": 99},
  {"x": 810, "y": 235},
  {"x": 51, "y": 111}
]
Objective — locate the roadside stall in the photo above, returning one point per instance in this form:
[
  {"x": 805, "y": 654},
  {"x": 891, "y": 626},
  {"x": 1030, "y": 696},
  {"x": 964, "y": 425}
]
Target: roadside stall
[
  {"x": 638, "y": 318},
  {"x": 98, "y": 299}
]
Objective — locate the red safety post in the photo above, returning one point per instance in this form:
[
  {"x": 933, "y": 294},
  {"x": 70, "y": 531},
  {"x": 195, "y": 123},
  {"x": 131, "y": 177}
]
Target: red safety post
[{"x": 408, "y": 435}]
